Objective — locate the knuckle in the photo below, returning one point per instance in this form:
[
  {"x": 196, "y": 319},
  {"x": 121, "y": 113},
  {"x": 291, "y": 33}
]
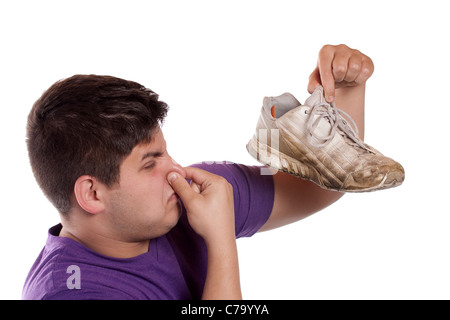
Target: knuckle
[
  {"x": 224, "y": 183},
  {"x": 326, "y": 49},
  {"x": 221, "y": 180},
  {"x": 366, "y": 72},
  {"x": 342, "y": 47},
  {"x": 354, "y": 67},
  {"x": 339, "y": 71}
]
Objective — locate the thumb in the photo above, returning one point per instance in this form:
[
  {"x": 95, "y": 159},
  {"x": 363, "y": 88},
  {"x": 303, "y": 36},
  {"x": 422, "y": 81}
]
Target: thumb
[{"x": 181, "y": 187}]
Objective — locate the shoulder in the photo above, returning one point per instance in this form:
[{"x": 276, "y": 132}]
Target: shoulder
[
  {"x": 62, "y": 273},
  {"x": 67, "y": 270}
]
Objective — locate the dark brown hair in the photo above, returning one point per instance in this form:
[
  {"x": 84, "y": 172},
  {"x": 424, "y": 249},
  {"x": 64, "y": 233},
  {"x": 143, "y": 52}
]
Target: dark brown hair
[{"x": 87, "y": 125}]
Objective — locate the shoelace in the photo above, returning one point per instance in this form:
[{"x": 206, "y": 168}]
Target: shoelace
[{"x": 334, "y": 115}]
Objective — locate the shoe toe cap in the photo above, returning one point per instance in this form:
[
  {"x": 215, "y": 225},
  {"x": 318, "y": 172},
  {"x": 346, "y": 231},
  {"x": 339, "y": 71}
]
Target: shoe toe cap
[{"x": 375, "y": 177}]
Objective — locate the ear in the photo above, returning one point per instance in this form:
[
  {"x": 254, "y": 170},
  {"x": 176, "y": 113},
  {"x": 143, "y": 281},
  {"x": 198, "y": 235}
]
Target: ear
[{"x": 88, "y": 192}]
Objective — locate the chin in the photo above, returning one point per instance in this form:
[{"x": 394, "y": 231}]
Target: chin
[{"x": 174, "y": 214}]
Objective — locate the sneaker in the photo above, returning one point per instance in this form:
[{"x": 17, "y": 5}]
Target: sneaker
[{"x": 319, "y": 142}]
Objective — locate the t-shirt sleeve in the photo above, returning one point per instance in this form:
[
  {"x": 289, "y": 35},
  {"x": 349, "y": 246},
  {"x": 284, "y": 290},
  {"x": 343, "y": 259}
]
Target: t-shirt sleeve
[{"x": 253, "y": 194}]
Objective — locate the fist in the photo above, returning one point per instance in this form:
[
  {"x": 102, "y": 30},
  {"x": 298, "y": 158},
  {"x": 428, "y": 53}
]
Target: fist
[{"x": 340, "y": 66}]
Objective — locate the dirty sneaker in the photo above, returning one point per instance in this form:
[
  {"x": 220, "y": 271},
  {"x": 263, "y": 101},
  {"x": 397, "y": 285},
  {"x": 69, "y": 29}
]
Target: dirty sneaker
[{"x": 318, "y": 142}]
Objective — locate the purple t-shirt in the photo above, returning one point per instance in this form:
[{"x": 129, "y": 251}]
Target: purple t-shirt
[{"x": 173, "y": 268}]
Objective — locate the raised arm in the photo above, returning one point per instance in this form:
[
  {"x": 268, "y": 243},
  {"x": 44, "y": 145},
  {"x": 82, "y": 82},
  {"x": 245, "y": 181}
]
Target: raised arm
[{"x": 343, "y": 73}]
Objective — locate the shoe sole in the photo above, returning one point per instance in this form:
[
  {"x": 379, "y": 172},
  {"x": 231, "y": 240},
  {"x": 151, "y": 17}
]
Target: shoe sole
[{"x": 282, "y": 162}]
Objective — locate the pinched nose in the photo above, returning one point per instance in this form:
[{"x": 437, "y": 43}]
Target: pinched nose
[{"x": 177, "y": 168}]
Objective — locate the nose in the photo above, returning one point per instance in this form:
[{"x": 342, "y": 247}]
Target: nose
[{"x": 177, "y": 168}]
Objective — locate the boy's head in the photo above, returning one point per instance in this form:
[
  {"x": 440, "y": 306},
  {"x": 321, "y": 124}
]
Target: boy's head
[{"x": 87, "y": 125}]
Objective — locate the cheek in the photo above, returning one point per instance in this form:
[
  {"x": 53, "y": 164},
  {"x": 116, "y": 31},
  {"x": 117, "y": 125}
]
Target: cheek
[
  {"x": 149, "y": 191},
  {"x": 153, "y": 192},
  {"x": 157, "y": 186}
]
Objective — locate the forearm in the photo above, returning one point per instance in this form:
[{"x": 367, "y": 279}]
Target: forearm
[
  {"x": 296, "y": 199},
  {"x": 351, "y": 100},
  {"x": 222, "y": 278}
]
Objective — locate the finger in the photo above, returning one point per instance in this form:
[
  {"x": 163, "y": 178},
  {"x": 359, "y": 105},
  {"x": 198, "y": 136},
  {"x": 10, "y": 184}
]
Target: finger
[
  {"x": 181, "y": 187},
  {"x": 314, "y": 80},
  {"x": 353, "y": 68},
  {"x": 367, "y": 68},
  {"x": 196, "y": 187},
  {"x": 326, "y": 57},
  {"x": 199, "y": 176},
  {"x": 340, "y": 66}
]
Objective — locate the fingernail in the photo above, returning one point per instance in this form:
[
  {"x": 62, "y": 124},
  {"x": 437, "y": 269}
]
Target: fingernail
[
  {"x": 330, "y": 98},
  {"x": 172, "y": 177}
]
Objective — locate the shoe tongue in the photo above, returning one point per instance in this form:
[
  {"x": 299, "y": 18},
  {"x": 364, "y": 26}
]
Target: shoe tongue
[{"x": 317, "y": 97}]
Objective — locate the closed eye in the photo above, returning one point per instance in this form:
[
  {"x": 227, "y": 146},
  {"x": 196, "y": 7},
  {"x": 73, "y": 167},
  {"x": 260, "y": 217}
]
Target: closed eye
[{"x": 150, "y": 165}]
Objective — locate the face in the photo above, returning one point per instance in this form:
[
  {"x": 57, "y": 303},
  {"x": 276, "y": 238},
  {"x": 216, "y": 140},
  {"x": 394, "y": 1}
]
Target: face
[{"x": 143, "y": 205}]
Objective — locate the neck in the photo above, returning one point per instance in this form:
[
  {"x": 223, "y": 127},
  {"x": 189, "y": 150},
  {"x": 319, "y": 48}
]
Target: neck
[{"x": 105, "y": 245}]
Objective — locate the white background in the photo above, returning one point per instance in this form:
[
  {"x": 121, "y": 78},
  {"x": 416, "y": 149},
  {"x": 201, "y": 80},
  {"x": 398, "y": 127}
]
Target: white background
[{"x": 213, "y": 62}]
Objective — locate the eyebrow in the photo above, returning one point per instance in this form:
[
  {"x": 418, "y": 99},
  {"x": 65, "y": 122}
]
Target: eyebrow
[{"x": 151, "y": 154}]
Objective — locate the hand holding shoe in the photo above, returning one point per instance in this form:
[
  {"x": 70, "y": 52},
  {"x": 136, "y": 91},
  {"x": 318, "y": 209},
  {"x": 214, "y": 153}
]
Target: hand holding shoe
[{"x": 338, "y": 67}]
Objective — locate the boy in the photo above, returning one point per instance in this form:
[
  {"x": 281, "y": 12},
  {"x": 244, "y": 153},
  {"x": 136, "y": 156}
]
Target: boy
[{"x": 97, "y": 151}]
